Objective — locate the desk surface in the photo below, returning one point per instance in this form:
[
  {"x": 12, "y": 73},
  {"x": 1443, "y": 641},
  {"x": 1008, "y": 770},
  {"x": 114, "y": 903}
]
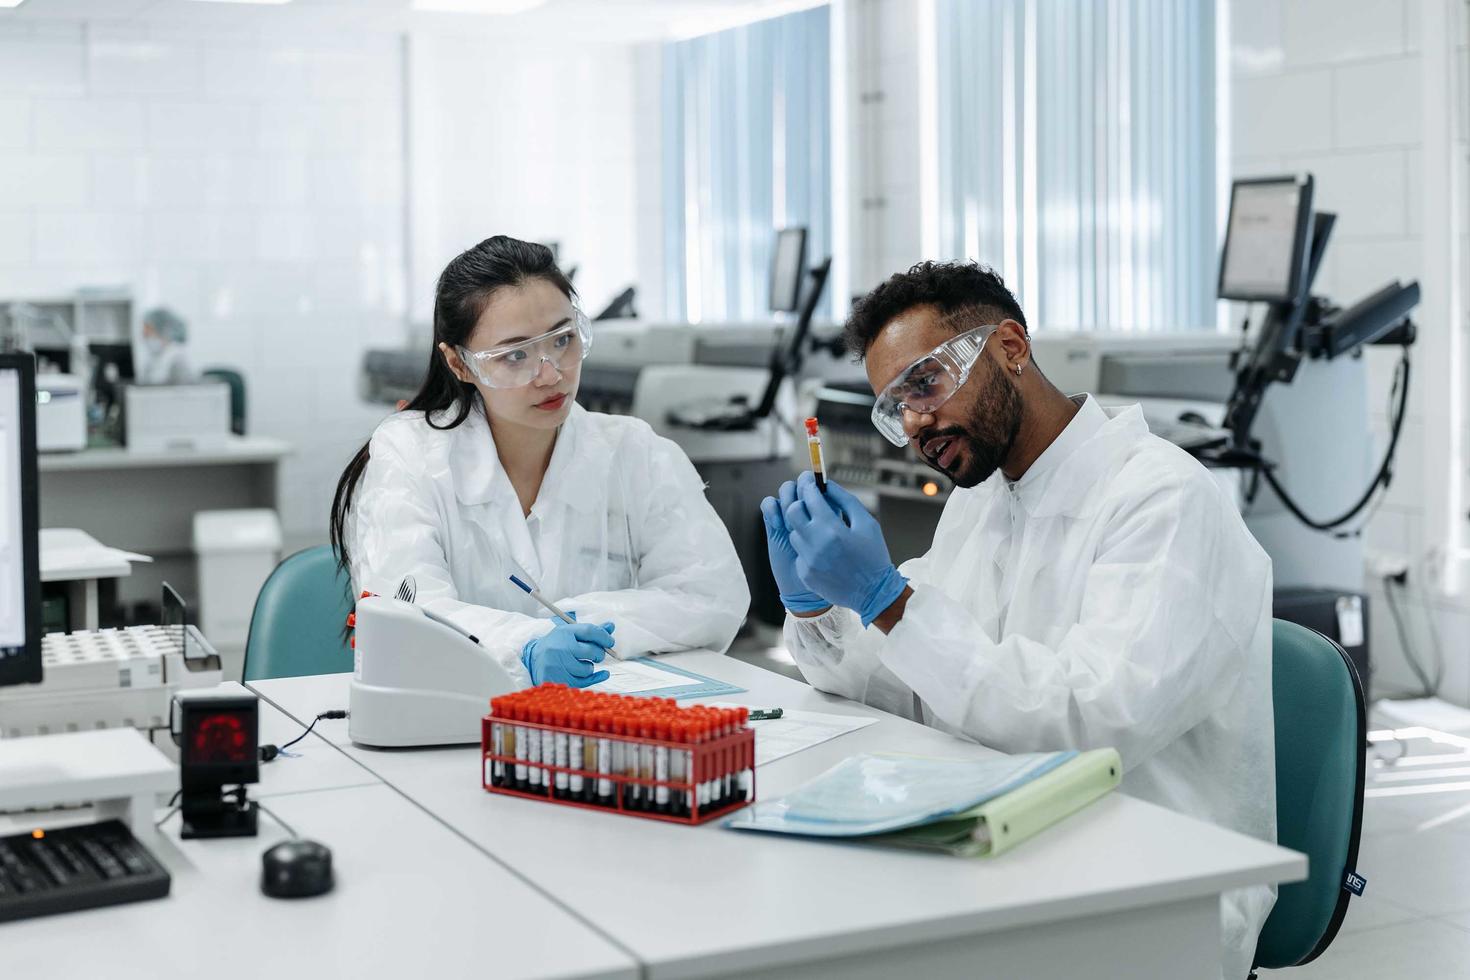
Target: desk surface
[
  {"x": 239, "y": 449},
  {"x": 705, "y": 899},
  {"x": 413, "y": 897},
  {"x": 69, "y": 554},
  {"x": 412, "y": 900}
]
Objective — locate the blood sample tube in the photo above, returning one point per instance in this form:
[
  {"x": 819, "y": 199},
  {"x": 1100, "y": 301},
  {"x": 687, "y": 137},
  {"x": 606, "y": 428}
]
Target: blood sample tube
[
  {"x": 496, "y": 769},
  {"x": 548, "y": 750},
  {"x": 661, "y": 766},
  {"x": 533, "y": 749},
  {"x": 562, "y": 741},
  {"x": 645, "y": 760},
  {"x": 604, "y": 758}
]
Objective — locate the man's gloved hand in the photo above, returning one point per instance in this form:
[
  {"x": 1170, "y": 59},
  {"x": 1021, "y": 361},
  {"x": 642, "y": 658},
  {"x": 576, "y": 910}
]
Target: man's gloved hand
[
  {"x": 840, "y": 551},
  {"x": 794, "y": 593},
  {"x": 568, "y": 654}
]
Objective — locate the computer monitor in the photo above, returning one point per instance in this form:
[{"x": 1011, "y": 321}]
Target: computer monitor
[
  {"x": 20, "y": 549},
  {"x": 788, "y": 268},
  {"x": 1265, "y": 249}
]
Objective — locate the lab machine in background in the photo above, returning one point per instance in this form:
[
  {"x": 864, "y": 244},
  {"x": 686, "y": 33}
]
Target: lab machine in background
[
  {"x": 61, "y": 413},
  {"x": 161, "y": 418}
]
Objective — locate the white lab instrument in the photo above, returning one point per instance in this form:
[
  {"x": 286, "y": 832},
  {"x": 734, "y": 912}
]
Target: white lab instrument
[
  {"x": 112, "y": 678},
  {"x": 159, "y": 418},
  {"x": 1111, "y": 596},
  {"x": 418, "y": 680},
  {"x": 119, "y": 772},
  {"x": 61, "y": 413}
]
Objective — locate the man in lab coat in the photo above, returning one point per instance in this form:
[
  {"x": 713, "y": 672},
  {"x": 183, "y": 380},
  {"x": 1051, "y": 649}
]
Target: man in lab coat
[{"x": 1088, "y": 585}]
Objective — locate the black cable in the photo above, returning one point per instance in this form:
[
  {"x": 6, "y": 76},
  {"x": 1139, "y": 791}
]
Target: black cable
[
  {"x": 325, "y": 714},
  {"x": 1383, "y": 477},
  {"x": 1409, "y": 655},
  {"x": 1433, "y": 629},
  {"x": 1357, "y": 532}
]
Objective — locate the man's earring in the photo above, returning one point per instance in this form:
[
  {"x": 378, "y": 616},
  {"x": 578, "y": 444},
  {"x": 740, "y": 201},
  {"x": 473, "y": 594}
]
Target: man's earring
[{"x": 1018, "y": 370}]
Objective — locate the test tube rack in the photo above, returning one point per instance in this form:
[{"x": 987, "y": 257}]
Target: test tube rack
[{"x": 640, "y": 756}]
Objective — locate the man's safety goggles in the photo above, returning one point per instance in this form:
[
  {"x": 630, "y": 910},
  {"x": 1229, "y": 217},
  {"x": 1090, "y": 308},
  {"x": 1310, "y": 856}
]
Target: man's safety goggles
[
  {"x": 928, "y": 383},
  {"x": 514, "y": 365}
]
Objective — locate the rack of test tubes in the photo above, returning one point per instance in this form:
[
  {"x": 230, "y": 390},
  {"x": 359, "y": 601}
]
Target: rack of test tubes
[{"x": 642, "y": 756}]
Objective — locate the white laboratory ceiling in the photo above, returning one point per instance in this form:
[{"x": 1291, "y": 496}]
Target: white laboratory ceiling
[{"x": 613, "y": 21}]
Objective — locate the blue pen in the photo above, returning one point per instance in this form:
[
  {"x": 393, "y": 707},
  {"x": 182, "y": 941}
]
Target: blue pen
[{"x": 536, "y": 594}]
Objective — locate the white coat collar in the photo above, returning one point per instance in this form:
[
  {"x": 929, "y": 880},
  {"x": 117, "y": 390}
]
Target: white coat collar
[
  {"x": 479, "y": 478},
  {"x": 580, "y": 465},
  {"x": 1067, "y": 479}
]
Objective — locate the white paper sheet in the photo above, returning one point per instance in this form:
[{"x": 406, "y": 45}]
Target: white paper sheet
[
  {"x": 797, "y": 730},
  {"x": 633, "y": 678}
]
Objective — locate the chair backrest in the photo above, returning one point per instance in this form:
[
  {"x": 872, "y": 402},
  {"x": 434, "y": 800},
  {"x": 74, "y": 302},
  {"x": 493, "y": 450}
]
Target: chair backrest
[
  {"x": 236, "y": 381},
  {"x": 297, "y": 626},
  {"x": 1321, "y": 736}
]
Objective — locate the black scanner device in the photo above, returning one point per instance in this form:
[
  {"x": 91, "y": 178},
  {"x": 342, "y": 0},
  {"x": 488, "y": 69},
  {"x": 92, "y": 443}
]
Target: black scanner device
[{"x": 296, "y": 869}]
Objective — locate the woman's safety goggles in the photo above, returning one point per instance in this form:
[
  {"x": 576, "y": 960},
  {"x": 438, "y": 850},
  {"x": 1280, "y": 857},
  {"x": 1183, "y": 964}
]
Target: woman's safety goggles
[
  {"x": 928, "y": 383},
  {"x": 514, "y": 365}
]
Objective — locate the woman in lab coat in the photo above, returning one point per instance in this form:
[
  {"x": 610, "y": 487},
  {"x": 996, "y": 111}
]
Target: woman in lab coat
[{"x": 492, "y": 469}]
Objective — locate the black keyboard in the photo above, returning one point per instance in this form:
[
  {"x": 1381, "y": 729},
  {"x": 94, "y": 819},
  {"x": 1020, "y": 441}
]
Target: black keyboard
[{"x": 71, "y": 868}]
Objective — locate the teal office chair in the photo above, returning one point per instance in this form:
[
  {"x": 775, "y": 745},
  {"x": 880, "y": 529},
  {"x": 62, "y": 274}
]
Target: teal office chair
[
  {"x": 236, "y": 381},
  {"x": 297, "y": 628},
  {"x": 1321, "y": 736}
]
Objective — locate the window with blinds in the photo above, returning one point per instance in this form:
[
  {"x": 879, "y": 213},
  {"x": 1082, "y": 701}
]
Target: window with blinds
[{"x": 1077, "y": 156}]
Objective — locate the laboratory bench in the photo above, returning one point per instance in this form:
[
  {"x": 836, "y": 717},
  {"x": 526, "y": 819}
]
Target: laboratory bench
[
  {"x": 145, "y": 500},
  {"x": 413, "y": 898},
  {"x": 1123, "y": 888}
]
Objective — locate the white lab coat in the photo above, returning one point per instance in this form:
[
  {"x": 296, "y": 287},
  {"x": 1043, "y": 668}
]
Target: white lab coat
[
  {"x": 1110, "y": 597},
  {"x": 169, "y": 366},
  {"x": 620, "y": 531}
]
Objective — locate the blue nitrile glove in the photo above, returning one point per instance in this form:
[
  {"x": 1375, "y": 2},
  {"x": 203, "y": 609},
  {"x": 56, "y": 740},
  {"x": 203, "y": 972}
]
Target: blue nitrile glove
[
  {"x": 840, "y": 551},
  {"x": 794, "y": 593},
  {"x": 567, "y": 654}
]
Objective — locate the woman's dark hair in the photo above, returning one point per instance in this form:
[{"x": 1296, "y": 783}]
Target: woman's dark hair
[
  {"x": 950, "y": 286},
  {"x": 464, "y": 290}
]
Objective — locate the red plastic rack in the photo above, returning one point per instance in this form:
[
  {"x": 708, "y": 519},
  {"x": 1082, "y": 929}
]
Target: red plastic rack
[{"x": 640, "y": 756}]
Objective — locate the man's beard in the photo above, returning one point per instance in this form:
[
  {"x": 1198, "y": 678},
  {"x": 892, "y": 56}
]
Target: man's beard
[{"x": 990, "y": 431}]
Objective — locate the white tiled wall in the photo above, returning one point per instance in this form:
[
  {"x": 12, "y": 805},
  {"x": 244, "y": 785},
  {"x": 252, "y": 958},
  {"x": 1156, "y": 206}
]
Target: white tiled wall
[
  {"x": 255, "y": 186},
  {"x": 534, "y": 141},
  {"x": 1333, "y": 87}
]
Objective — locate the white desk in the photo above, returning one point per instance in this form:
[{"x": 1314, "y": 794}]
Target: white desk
[
  {"x": 72, "y": 555},
  {"x": 1124, "y": 888},
  {"x": 412, "y": 899},
  {"x": 145, "y": 501}
]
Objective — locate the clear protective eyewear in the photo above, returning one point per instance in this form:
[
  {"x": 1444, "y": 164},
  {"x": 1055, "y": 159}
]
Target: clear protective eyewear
[
  {"x": 928, "y": 383},
  {"x": 518, "y": 364}
]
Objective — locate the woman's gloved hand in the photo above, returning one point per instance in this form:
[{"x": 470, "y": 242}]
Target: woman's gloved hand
[
  {"x": 794, "y": 593},
  {"x": 840, "y": 550},
  {"x": 569, "y": 654}
]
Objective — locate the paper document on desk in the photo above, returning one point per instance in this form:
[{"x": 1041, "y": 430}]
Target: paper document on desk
[
  {"x": 777, "y": 738},
  {"x": 631, "y": 677},
  {"x": 646, "y": 677}
]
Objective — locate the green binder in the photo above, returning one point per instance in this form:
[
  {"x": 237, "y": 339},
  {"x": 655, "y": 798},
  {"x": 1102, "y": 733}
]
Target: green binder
[{"x": 997, "y": 825}]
